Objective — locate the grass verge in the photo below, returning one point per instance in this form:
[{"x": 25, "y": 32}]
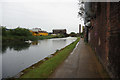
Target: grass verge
[
  {"x": 46, "y": 68},
  {"x": 10, "y": 38}
]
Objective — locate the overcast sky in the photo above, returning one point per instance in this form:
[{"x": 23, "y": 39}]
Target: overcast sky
[{"x": 44, "y": 14}]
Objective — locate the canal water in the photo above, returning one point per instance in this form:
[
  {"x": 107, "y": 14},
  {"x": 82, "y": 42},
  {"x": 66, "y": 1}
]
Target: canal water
[{"x": 16, "y": 56}]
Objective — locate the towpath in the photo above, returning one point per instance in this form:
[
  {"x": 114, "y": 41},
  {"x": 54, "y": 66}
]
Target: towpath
[{"x": 81, "y": 63}]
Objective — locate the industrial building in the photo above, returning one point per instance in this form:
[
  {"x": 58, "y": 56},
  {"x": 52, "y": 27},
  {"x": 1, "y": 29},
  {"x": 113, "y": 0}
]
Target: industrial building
[
  {"x": 38, "y": 32},
  {"x": 59, "y": 31}
]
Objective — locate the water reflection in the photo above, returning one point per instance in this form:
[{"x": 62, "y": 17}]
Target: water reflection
[
  {"x": 35, "y": 43},
  {"x": 59, "y": 42},
  {"x": 17, "y": 46}
]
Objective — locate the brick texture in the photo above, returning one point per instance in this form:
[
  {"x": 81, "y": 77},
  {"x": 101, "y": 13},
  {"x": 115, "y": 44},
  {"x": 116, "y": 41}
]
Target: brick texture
[{"x": 104, "y": 37}]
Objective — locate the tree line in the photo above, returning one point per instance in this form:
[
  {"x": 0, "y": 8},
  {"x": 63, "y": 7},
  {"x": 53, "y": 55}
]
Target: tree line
[{"x": 16, "y": 32}]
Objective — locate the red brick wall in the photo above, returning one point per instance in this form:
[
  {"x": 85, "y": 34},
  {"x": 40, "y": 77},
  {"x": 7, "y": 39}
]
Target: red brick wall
[
  {"x": 105, "y": 35},
  {"x": 114, "y": 39},
  {"x": 97, "y": 33}
]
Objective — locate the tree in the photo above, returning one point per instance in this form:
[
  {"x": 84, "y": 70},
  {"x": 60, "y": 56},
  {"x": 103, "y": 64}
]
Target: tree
[
  {"x": 4, "y": 33},
  {"x": 73, "y": 34},
  {"x": 21, "y": 32},
  {"x": 81, "y": 12}
]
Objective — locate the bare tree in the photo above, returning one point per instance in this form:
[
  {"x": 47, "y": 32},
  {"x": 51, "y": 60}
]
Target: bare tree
[{"x": 81, "y": 11}]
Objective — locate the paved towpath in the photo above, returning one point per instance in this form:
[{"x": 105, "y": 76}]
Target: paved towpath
[{"x": 81, "y": 63}]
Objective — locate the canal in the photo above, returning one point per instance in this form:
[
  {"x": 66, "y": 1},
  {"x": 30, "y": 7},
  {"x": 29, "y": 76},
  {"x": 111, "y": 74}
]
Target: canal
[{"x": 16, "y": 56}]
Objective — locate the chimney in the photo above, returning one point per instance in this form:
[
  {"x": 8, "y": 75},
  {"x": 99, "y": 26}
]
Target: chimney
[{"x": 79, "y": 28}]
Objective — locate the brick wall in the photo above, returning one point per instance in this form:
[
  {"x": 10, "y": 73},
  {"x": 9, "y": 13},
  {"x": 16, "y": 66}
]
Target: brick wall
[
  {"x": 114, "y": 39},
  {"x": 104, "y": 37}
]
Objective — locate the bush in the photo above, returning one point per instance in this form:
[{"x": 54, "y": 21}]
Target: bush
[{"x": 73, "y": 34}]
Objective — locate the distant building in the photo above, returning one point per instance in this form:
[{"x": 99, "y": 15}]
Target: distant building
[
  {"x": 59, "y": 31},
  {"x": 38, "y": 32},
  {"x": 36, "y": 29}
]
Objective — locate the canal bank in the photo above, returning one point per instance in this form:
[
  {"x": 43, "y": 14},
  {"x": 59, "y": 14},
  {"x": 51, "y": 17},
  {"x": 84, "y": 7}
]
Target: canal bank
[{"x": 45, "y": 68}]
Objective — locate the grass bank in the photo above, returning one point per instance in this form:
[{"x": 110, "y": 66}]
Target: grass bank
[
  {"x": 44, "y": 69},
  {"x": 25, "y": 38}
]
